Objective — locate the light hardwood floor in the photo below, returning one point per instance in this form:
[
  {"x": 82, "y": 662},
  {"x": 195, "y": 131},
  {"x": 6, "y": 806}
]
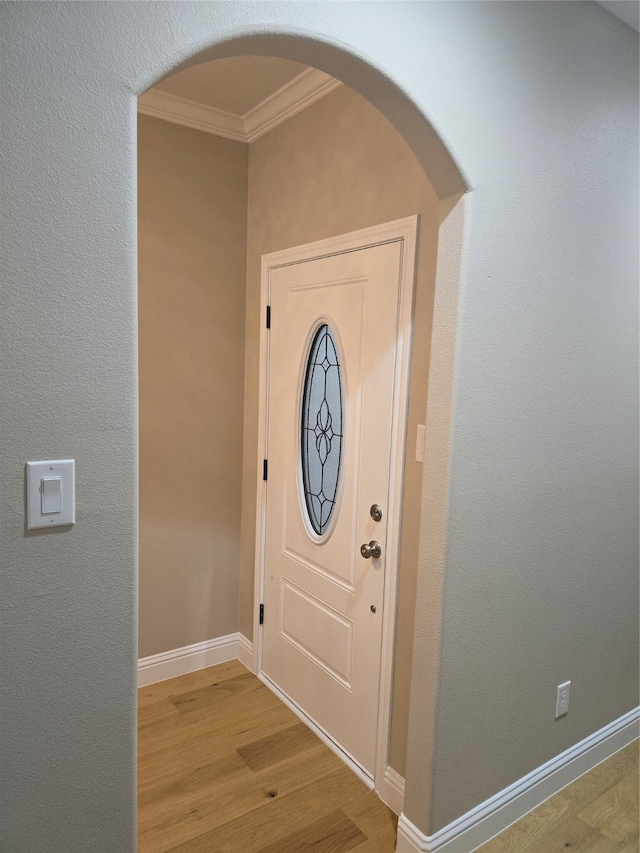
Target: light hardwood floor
[
  {"x": 598, "y": 813},
  {"x": 225, "y": 767}
]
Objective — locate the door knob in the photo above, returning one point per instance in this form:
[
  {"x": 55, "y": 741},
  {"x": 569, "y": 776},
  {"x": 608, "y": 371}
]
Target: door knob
[{"x": 371, "y": 549}]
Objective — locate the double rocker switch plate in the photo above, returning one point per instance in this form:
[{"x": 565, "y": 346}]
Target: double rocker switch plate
[{"x": 51, "y": 493}]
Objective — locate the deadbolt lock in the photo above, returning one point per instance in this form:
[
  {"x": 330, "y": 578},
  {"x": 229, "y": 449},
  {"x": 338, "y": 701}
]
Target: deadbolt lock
[{"x": 375, "y": 512}]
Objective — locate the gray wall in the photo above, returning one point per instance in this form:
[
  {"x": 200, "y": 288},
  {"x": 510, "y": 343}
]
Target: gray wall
[
  {"x": 538, "y": 104},
  {"x": 541, "y": 573}
]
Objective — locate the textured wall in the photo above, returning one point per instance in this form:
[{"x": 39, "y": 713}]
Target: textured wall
[
  {"x": 192, "y": 231},
  {"x": 538, "y": 104},
  {"x": 541, "y": 571},
  {"x": 334, "y": 168}
]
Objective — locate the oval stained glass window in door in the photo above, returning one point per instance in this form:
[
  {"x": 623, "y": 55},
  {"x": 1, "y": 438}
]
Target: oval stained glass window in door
[{"x": 321, "y": 429}]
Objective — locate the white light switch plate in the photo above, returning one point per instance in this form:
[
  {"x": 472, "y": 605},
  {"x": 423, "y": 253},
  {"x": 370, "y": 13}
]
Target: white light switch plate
[{"x": 51, "y": 470}]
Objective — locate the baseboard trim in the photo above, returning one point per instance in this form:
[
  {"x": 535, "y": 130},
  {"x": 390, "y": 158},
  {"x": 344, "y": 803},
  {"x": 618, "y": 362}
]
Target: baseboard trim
[
  {"x": 315, "y": 727},
  {"x": 391, "y": 790},
  {"x": 245, "y": 652},
  {"x": 492, "y": 817},
  {"x": 190, "y": 658}
]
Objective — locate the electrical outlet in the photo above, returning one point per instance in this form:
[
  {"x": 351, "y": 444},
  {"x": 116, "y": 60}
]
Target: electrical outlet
[{"x": 562, "y": 699}]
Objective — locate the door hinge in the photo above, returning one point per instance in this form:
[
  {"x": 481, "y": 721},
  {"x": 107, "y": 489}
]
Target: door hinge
[
  {"x": 265, "y": 468},
  {"x": 268, "y": 316},
  {"x": 262, "y": 614}
]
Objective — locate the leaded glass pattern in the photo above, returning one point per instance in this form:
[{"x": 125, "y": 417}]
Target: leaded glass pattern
[{"x": 321, "y": 430}]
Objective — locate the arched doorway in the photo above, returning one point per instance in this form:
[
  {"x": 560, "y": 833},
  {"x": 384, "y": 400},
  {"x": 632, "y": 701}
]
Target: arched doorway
[{"x": 406, "y": 620}]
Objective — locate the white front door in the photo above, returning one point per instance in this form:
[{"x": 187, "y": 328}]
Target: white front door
[{"x": 331, "y": 435}]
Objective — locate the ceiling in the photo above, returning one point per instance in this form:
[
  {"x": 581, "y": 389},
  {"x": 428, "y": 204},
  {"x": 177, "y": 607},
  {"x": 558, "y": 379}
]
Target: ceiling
[{"x": 235, "y": 85}]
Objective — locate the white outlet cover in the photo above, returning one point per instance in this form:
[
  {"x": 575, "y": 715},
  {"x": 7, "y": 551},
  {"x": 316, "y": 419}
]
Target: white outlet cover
[
  {"x": 65, "y": 469},
  {"x": 562, "y": 699}
]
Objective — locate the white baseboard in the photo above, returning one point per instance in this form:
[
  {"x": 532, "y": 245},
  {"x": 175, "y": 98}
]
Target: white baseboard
[
  {"x": 492, "y": 817},
  {"x": 391, "y": 790},
  {"x": 245, "y": 652},
  {"x": 191, "y": 658}
]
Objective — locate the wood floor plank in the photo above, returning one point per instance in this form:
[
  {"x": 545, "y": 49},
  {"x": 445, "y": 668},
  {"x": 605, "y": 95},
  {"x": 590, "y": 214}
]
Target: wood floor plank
[
  {"x": 596, "y": 814},
  {"x": 195, "y": 810},
  {"x": 191, "y": 681},
  {"x": 525, "y": 836},
  {"x": 188, "y": 783},
  {"x": 244, "y": 714},
  {"x": 602, "y": 777},
  {"x": 238, "y": 725},
  {"x": 238, "y": 704},
  {"x": 262, "y": 753},
  {"x": 190, "y": 701},
  {"x": 615, "y": 813},
  {"x": 162, "y": 766},
  {"x": 377, "y": 845},
  {"x": 149, "y": 715},
  {"x": 200, "y": 742},
  {"x": 375, "y": 820},
  {"x": 573, "y": 834},
  {"x": 333, "y": 833},
  {"x": 278, "y": 817},
  {"x": 630, "y": 846}
]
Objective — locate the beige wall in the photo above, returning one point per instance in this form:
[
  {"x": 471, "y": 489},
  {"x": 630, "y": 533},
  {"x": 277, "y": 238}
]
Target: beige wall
[
  {"x": 337, "y": 167},
  {"x": 334, "y": 168},
  {"x": 192, "y": 197}
]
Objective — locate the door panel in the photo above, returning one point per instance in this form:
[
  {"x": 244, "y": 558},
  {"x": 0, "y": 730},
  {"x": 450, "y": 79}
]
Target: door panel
[
  {"x": 323, "y": 600},
  {"x": 318, "y": 631}
]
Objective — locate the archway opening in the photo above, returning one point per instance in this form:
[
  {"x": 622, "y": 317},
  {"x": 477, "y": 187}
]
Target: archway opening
[{"x": 336, "y": 166}]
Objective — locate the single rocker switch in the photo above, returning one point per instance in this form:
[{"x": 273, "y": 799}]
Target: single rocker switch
[{"x": 50, "y": 490}]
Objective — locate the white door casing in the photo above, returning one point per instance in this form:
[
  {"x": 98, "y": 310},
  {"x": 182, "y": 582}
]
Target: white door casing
[{"x": 327, "y": 642}]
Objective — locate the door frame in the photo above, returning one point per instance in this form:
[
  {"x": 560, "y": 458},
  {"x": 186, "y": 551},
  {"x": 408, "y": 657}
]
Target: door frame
[{"x": 404, "y": 230}]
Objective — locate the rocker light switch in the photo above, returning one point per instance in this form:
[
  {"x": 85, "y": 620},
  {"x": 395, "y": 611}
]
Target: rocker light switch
[{"x": 51, "y": 493}]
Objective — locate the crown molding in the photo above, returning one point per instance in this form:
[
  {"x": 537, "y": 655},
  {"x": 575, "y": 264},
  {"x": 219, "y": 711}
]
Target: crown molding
[
  {"x": 290, "y": 99},
  {"x": 191, "y": 114}
]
